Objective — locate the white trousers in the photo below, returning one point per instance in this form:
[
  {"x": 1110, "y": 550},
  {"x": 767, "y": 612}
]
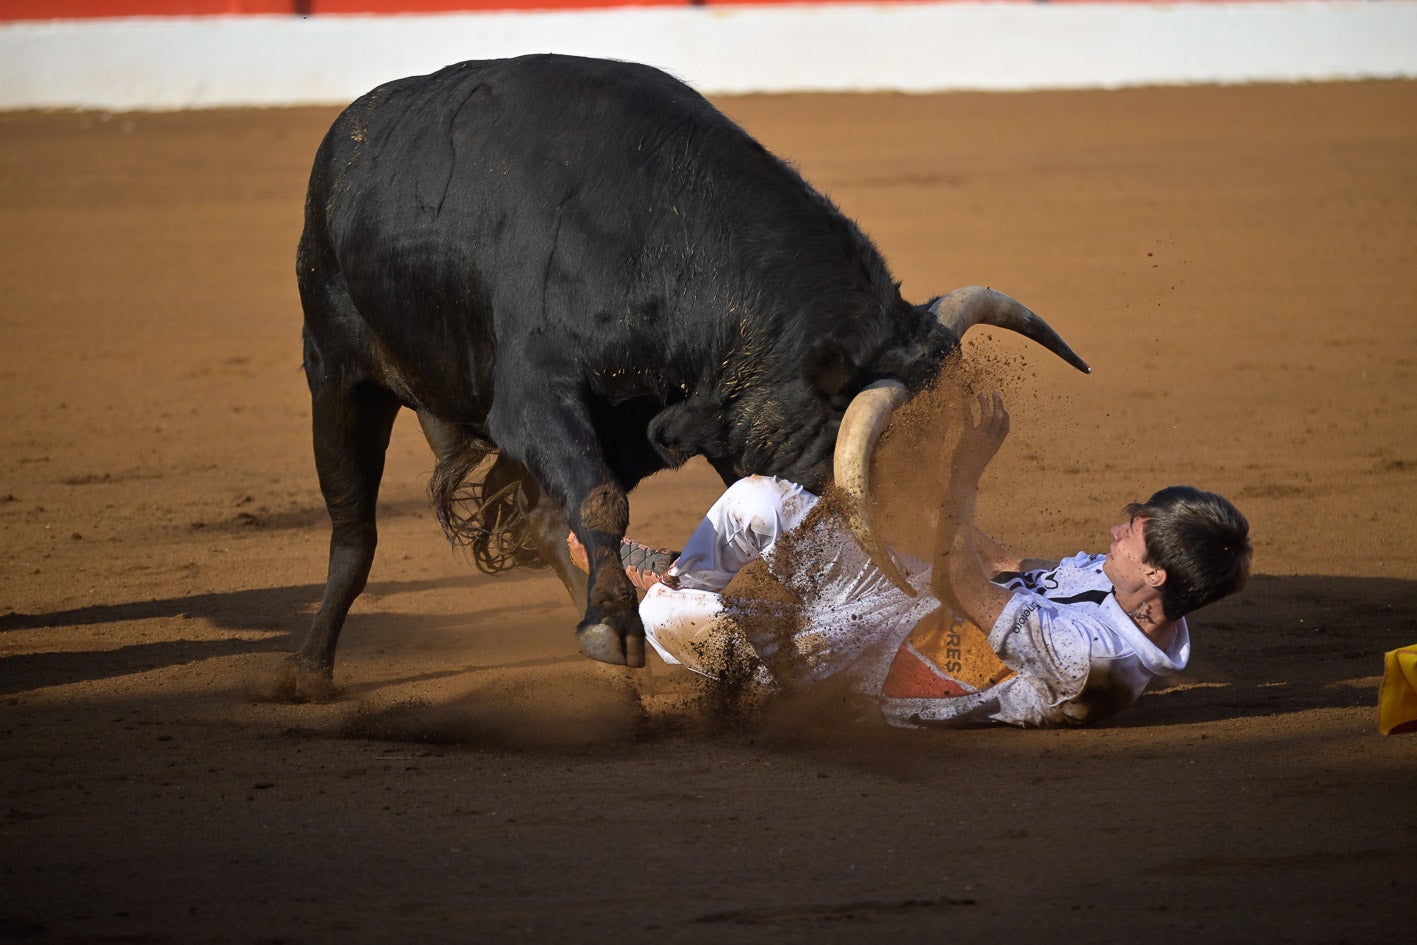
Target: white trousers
[{"x": 851, "y": 618}]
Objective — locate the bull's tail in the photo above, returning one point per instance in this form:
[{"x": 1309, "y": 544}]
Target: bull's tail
[{"x": 480, "y": 498}]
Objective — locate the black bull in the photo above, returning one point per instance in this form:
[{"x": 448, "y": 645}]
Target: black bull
[{"x": 580, "y": 272}]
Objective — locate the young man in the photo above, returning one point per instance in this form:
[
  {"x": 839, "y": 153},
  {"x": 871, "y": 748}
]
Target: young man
[{"x": 1067, "y": 642}]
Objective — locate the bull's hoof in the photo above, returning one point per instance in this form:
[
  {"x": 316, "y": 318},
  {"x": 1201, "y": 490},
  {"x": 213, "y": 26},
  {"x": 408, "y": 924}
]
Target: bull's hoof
[
  {"x": 603, "y": 642},
  {"x": 296, "y": 682}
]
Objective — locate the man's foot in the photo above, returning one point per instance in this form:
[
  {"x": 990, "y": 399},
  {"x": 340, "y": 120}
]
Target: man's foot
[{"x": 645, "y": 566}]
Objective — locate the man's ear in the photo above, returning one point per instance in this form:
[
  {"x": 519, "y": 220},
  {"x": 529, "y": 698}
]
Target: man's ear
[{"x": 1156, "y": 577}]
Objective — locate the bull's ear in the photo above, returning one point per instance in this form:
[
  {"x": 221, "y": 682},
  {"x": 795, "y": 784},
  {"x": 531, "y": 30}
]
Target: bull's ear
[{"x": 827, "y": 367}]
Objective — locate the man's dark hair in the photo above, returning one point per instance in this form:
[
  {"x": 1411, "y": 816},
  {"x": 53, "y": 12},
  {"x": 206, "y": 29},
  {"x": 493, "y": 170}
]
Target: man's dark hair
[{"x": 1200, "y": 540}]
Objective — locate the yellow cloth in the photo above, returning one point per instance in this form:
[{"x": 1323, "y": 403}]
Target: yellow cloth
[
  {"x": 958, "y": 649},
  {"x": 1397, "y": 699}
]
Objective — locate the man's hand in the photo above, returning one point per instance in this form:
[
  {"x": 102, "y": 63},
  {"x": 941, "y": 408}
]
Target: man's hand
[
  {"x": 960, "y": 578},
  {"x": 980, "y": 440},
  {"x": 577, "y": 550}
]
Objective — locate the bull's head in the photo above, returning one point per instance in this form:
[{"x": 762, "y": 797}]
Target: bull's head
[{"x": 870, "y": 410}]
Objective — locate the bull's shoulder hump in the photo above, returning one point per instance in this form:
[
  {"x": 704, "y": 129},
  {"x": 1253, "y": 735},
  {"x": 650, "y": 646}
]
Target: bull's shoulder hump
[
  {"x": 556, "y": 78},
  {"x": 544, "y": 96}
]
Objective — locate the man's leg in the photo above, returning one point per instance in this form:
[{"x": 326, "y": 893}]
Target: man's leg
[
  {"x": 742, "y": 526},
  {"x": 683, "y": 609},
  {"x": 681, "y": 625},
  {"x": 684, "y": 617}
]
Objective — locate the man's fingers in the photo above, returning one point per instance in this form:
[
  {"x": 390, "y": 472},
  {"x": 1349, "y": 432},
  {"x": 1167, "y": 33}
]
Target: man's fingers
[{"x": 578, "y": 555}]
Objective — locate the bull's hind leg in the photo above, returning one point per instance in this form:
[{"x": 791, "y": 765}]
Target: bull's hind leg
[
  {"x": 546, "y": 528},
  {"x": 549, "y": 527},
  {"x": 352, "y": 424},
  {"x": 545, "y": 523}
]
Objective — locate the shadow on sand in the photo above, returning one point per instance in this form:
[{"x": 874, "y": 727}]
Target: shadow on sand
[
  {"x": 264, "y": 620},
  {"x": 1287, "y": 644}
]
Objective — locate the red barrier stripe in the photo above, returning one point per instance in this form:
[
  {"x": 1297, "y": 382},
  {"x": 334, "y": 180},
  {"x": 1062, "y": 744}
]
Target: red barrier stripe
[
  {"x": 96, "y": 9},
  {"x": 11, "y": 10}
]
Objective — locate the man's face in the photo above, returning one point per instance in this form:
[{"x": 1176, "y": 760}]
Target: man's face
[{"x": 1126, "y": 565}]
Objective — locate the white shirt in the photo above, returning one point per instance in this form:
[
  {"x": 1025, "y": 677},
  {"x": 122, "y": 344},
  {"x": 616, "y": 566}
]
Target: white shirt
[{"x": 1078, "y": 656}]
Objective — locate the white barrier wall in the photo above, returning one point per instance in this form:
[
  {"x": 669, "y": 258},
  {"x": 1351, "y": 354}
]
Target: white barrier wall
[{"x": 169, "y": 63}]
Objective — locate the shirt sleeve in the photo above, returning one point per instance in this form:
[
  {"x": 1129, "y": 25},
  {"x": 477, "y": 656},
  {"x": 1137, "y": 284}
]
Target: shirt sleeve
[{"x": 1045, "y": 644}]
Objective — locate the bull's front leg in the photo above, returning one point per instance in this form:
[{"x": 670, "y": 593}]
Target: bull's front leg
[
  {"x": 611, "y": 631},
  {"x": 553, "y": 437}
]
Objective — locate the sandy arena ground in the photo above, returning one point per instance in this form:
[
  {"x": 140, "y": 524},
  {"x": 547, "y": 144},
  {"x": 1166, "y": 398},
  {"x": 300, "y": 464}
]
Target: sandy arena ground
[{"x": 1238, "y": 264}]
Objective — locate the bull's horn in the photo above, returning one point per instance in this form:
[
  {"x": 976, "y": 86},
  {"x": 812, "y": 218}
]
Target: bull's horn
[
  {"x": 862, "y": 425},
  {"x": 973, "y": 305}
]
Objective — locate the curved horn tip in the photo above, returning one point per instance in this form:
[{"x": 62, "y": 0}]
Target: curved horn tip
[
  {"x": 972, "y": 305},
  {"x": 862, "y": 425}
]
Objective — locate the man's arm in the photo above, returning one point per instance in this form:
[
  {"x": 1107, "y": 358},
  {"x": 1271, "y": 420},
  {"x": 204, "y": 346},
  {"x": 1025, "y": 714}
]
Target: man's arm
[
  {"x": 961, "y": 576},
  {"x": 967, "y": 587},
  {"x": 999, "y": 560}
]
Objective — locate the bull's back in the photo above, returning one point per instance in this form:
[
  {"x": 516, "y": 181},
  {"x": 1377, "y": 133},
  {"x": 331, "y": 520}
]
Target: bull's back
[
  {"x": 605, "y": 203},
  {"x": 478, "y": 175}
]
